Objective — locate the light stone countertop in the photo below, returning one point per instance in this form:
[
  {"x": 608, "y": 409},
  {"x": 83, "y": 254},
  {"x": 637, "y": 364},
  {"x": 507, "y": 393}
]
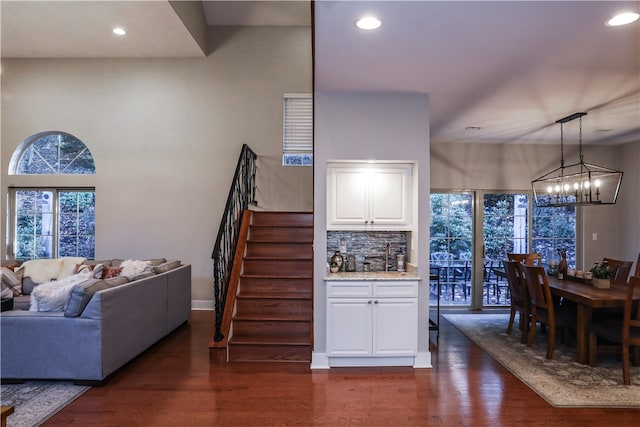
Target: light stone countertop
[{"x": 373, "y": 275}]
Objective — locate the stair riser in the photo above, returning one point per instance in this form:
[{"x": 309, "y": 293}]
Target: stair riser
[
  {"x": 271, "y": 353},
  {"x": 278, "y": 267},
  {"x": 286, "y": 219},
  {"x": 280, "y": 250},
  {"x": 270, "y": 234},
  {"x": 276, "y": 286},
  {"x": 271, "y": 329},
  {"x": 281, "y": 307}
]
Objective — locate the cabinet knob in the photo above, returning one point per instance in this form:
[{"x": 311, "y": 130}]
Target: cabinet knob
[
  {"x": 376, "y": 302},
  {"x": 366, "y": 221},
  {"x": 369, "y": 302},
  {"x": 371, "y": 221}
]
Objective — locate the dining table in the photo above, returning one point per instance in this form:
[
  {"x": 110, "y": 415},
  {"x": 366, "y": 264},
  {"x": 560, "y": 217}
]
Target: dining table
[{"x": 588, "y": 299}]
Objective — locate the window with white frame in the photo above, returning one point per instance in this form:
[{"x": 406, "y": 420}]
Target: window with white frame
[
  {"x": 49, "y": 222},
  {"x": 297, "y": 132}
]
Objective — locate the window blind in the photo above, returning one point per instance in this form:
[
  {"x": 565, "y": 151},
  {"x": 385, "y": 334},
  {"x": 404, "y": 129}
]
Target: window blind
[{"x": 298, "y": 123}]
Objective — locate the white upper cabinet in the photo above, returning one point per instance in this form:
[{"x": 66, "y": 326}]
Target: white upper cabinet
[{"x": 369, "y": 196}]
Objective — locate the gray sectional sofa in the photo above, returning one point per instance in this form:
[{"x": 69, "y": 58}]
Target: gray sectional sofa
[{"x": 120, "y": 320}]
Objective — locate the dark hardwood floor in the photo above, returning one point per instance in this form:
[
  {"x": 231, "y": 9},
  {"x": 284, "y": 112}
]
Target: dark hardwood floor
[{"x": 174, "y": 384}]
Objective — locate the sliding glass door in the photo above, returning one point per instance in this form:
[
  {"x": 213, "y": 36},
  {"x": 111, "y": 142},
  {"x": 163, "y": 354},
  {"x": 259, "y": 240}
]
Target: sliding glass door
[
  {"x": 467, "y": 258},
  {"x": 451, "y": 246},
  {"x": 505, "y": 219}
]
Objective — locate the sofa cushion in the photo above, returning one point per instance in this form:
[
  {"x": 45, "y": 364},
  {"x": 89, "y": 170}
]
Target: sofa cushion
[
  {"x": 166, "y": 266},
  {"x": 116, "y": 281},
  {"x": 11, "y": 281},
  {"x": 52, "y": 296},
  {"x": 28, "y": 285},
  {"x": 81, "y": 294},
  {"x": 22, "y": 302}
]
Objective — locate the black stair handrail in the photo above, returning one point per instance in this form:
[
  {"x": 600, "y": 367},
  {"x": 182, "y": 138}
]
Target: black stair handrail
[{"x": 241, "y": 194}]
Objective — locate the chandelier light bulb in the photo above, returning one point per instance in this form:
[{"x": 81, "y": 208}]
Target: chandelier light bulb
[
  {"x": 597, "y": 183},
  {"x": 368, "y": 23},
  {"x": 623, "y": 19}
]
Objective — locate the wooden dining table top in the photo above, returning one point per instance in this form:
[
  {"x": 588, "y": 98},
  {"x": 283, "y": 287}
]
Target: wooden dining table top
[{"x": 585, "y": 293}]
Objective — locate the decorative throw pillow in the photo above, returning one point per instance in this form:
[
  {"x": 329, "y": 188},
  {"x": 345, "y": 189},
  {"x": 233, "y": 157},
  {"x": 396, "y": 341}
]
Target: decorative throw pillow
[
  {"x": 166, "y": 266},
  {"x": 6, "y": 293},
  {"x": 110, "y": 272},
  {"x": 52, "y": 296},
  {"x": 11, "y": 280},
  {"x": 97, "y": 270},
  {"x": 132, "y": 268}
]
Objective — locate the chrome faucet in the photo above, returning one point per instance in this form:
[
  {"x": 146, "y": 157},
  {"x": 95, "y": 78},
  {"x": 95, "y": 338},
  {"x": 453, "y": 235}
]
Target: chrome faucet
[{"x": 386, "y": 258}]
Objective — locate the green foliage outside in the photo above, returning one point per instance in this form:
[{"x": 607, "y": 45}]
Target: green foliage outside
[
  {"x": 35, "y": 224},
  {"x": 56, "y": 153},
  {"x": 506, "y": 226}
]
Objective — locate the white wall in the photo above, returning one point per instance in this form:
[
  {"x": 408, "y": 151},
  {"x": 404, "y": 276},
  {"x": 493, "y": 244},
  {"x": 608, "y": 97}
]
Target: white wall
[
  {"x": 371, "y": 126},
  {"x": 512, "y": 167},
  {"x": 166, "y": 135}
]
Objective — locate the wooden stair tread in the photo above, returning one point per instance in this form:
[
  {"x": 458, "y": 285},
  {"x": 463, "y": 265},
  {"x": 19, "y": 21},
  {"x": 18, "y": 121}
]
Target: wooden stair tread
[
  {"x": 291, "y": 317},
  {"x": 262, "y": 340},
  {"x": 269, "y": 258},
  {"x": 275, "y": 276},
  {"x": 305, "y": 295}
]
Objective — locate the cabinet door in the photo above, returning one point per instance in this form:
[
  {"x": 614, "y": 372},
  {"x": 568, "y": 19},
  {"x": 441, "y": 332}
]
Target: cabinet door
[
  {"x": 390, "y": 198},
  {"x": 395, "y": 327},
  {"x": 347, "y": 199},
  {"x": 349, "y": 328}
]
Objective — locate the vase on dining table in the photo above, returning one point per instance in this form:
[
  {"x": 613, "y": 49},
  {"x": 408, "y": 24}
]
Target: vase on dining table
[
  {"x": 563, "y": 266},
  {"x": 601, "y": 283}
]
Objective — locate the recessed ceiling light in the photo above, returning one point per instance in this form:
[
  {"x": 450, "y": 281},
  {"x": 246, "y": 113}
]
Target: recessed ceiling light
[
  {"x": 368, "y": 23},
  {"x": 119, "y": 31},
  {"x": 623, "y": 19}
]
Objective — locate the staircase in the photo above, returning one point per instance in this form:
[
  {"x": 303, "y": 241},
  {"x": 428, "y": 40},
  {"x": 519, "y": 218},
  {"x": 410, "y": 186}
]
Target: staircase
[{"x": 273, "y": 317}]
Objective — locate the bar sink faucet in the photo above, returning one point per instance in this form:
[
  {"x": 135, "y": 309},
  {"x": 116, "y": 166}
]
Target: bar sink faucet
[{"x": 386, "y": 257}]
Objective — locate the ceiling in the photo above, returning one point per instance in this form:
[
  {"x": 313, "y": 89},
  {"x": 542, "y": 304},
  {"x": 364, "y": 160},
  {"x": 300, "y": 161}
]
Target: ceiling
[{"x": 495, "y": 72}]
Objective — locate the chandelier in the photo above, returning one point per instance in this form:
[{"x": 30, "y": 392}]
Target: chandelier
[{"x": 579, "y": 184}]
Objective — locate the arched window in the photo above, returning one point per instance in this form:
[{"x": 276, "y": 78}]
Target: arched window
[
  {"x": 46, "y": 221},
  {"x": 52, "y": 153}
]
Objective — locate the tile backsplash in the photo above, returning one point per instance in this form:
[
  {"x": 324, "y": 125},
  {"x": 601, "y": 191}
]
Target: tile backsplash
[{"x": 368, "y": 246}]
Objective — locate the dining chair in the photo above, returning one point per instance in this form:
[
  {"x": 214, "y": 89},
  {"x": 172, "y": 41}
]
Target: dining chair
[
  {"x": 637, "y": 273},
  {"x": 620, "y": 269},
  {"x": 519, "y": 298},
  {"x": 542, "y": 306},
  {"x": 623, "y": 330},
  {"x": 533, "y": 259}
]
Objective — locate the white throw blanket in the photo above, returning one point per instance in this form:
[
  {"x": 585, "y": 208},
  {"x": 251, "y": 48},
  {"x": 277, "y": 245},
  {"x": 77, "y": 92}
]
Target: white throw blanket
[{"x": 52, "y": 296}]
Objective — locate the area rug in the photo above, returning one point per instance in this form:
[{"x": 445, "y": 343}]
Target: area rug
[
  {"x": 562, "y": 382},
  {"x": 37, "y": 401}
]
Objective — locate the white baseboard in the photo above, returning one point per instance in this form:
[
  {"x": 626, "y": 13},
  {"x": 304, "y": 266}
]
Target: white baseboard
[{"x": 202, "y": 304}]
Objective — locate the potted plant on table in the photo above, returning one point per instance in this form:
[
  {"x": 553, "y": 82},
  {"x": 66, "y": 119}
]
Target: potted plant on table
[{"x": 601, "y": 275}]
